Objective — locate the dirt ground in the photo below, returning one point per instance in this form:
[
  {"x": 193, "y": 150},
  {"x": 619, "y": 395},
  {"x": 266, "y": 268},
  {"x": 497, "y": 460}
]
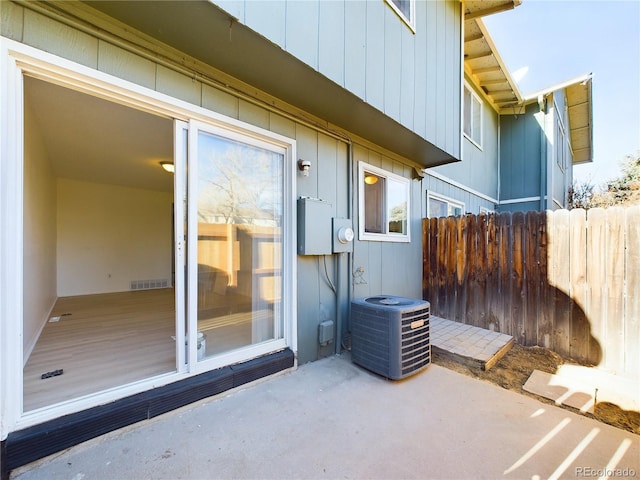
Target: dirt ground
[{"x": 513, "y": 370}]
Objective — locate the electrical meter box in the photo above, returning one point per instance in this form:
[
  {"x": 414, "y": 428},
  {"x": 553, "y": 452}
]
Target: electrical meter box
[{"x": 314, "y": 226}]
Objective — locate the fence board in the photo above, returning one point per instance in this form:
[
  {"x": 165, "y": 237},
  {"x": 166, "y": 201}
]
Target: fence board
[
  {"x": 450, "y": 262},
  {"x": 443, "y": 243},
  {"x": 596, "y": 281},
  {"x": 470, "y": 285},
  {"x": 615, "y": 280},
  {"x": 518, "y": 299},
  {"x": 494, "y": 315},
  {"x": 433, "y": 297},
  {"x": 563, "y": 280},
  {"x": 632, "y": 310},
  {"x": 461, "y": 270},
  {"x": 480, "y": 271},
  {"x": 531, "y": 278},
  {"x": 545, "y": 315},
  {"x": 427, "y": 275},
  {"x": 504, "y": 281},
  {"x": 580, "y": 328}
]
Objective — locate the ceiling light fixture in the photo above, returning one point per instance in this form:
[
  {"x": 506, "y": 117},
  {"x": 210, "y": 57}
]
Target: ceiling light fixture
[
  {"x": 168, "y": 166},
  {"x": 370, "y": 179}
]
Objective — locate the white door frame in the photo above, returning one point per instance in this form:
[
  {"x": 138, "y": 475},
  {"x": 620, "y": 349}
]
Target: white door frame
[{"x": 17, "y": 59}]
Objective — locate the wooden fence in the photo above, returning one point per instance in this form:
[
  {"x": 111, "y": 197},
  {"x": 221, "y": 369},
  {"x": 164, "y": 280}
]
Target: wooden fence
[{"x": 565, "y": 280}]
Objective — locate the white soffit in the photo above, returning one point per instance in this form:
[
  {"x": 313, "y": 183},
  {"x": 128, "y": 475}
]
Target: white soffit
[
  {"x": 578, "y": 92},
  {"x": 482, "y": 8},
  {"x": 483, "y": 64}
]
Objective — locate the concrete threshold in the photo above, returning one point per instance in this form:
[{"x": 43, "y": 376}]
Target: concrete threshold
[{"x": 467, "y": 344}]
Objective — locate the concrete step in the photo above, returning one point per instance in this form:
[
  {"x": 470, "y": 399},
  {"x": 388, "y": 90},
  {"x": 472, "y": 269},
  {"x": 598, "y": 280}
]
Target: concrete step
[{"x": 473, "y": 346}]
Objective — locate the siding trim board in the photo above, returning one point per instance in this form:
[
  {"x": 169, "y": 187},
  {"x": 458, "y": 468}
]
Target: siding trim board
[
  {"x": 459, "y": 185},
  {"x": 519, "y": 200}
]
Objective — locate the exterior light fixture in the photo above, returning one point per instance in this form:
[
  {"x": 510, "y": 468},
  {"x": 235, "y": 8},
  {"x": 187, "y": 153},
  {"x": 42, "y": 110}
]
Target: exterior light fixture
[
  {"x": 168, "y": 166},
  {"x": 304, "y": 166}
]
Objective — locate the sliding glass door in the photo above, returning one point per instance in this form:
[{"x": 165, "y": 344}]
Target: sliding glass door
[{"x": 236, "y": 260}]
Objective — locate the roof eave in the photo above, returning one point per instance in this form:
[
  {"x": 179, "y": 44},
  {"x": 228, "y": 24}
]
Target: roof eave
[{"x": 580, "y": 111}]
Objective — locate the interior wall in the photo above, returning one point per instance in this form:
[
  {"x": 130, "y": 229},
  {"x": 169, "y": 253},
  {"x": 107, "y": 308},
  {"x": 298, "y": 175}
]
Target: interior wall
[
  {"x": 39, "y": 234},
  {"x": 109, "y": 235}
]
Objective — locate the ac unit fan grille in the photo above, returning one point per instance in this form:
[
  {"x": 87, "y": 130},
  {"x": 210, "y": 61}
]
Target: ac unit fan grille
[{"x": 415, "y": 346}]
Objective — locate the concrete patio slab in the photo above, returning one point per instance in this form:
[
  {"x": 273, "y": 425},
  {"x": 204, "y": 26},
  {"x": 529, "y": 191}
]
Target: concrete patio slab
[
  {"x": 332, "y": 419},
  {"x": 468, "y": 344}
]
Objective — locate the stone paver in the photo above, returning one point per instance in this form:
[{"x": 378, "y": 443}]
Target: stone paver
[{"x": 468, "y": 343}]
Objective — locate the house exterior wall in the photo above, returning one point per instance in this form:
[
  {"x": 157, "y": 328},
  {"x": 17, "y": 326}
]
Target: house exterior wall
[
  {"x": 535, "y": 156},
  {"x": 330, "y": 156},
  {"x": 365, "y": 48},
  {"x": 523, "y": 145},
  {"x": 561, "y": 158},
  {"x": 474, "y": 180}
]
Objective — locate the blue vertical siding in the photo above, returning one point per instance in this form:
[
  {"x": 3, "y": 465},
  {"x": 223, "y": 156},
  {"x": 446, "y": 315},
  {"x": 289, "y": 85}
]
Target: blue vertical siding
[
  {"x": 332, "y": 39},
  {"x": 355, "y": 43},
  {"x": 478, "y": 169},
  {"x": 520, "y": 154},
  {"x": 388, "y": 267},
  {"x": 366, "y": 48},
  {"x": 301, "y": 37}
]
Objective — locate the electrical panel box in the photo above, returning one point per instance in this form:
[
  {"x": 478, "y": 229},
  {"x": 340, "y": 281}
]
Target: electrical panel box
[{"x": 314, "y": 226}]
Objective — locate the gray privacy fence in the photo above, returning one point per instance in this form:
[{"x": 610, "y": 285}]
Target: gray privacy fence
[{"x": 565, "y": 280}]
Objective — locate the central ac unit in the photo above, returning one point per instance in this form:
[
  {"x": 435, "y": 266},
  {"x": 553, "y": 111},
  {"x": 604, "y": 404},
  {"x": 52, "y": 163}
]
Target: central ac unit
[{"x": 390, "y": 335}]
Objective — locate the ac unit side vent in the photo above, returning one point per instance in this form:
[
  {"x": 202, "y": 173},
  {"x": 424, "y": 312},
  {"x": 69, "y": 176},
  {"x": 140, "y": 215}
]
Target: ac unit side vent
[
  {"x": 149, "y": 284},
  {"x": 390, "y": 335}
]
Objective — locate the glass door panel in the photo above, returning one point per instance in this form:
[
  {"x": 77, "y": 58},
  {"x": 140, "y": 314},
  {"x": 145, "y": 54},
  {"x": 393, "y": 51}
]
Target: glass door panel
[{"x": 239, "y": 211}]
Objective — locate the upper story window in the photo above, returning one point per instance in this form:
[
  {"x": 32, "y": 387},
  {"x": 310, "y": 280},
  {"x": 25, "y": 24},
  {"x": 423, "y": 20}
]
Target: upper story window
[
  {"x": 472, "y": 126},
  {"x": 406, "y": 10},
  {"x": 441, "y": 206},
  {"x": 384, "y": 209},
  {"x": 561, "y": 150}
]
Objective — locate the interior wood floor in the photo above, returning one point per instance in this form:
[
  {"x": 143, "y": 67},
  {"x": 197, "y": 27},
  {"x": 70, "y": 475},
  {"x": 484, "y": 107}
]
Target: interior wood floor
[
  {"x": 101, "y": 341},
  {"x": 108, "y": 340}
]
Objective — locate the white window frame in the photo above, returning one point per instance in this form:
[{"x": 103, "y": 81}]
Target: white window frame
[
  {"x": 475, "y": 99},
  {"x": 486, "y": 210},
  {"x": 411, "y": 21},
  {"x": 561, "y": 153},
  {"x": 388, "y": 236},
  {"x": 16, "y": 60},
  {"x": 451, "y": 203}
]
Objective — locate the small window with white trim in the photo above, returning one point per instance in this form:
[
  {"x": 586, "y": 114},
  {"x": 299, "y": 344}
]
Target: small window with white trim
[
  {"x": 406, "y": 10},
  {"x": 486, "y": 210},
  {"x": 560, "y": 148},
  {"x": 384, "y": 207},
  {"x": 472, "y": 126},
  {"x": 441, "y": 206}
]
